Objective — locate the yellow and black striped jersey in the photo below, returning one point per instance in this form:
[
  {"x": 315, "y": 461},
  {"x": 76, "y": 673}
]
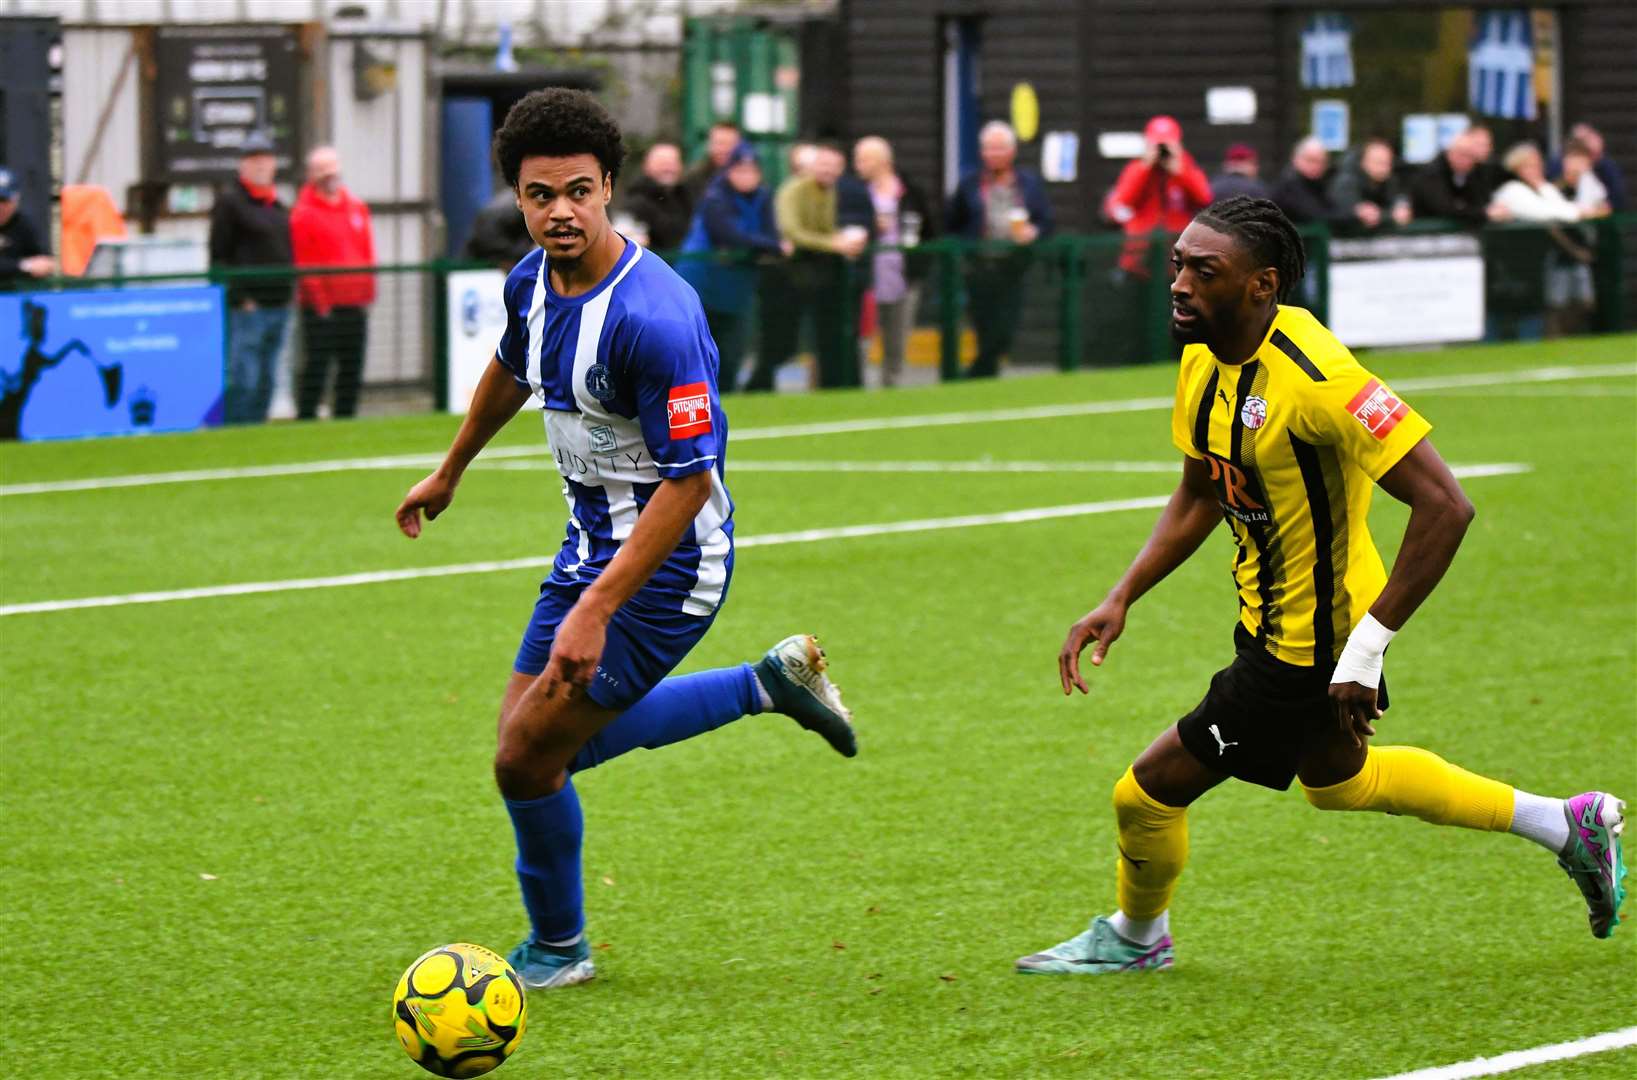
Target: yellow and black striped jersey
[{"x": 1295, "y": 438}]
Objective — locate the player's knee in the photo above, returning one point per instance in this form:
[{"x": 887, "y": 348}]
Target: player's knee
[
  {"x": 1351, "y": 794},
  {"x": 512, "y": 774},
  {"x": 1135, "y": 807},
  {"x": 1325, "y": 798},
  {"x": 521, "y": 772}
]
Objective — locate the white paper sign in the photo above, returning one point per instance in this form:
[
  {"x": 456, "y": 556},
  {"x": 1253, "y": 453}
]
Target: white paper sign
[
  {"x": 1230, "y": 105},
  {"x": 1331, "y": 119},
  {"x": 1121, "y": 144},
  {"x": 477, "y": 318},
  {"x": 1407, "y": 301},
  {"x": 1420, "y": 138},
  {"x": 1060, "y": 156}
]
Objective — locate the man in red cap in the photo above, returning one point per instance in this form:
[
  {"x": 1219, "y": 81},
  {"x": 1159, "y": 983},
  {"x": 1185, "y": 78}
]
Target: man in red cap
[
  {"x": 1163, "y": 189},
  {"x": 1239, "y": 175}
]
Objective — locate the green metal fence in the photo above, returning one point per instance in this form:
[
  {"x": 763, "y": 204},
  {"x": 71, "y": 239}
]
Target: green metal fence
[{"x": 1070, "y": 301}]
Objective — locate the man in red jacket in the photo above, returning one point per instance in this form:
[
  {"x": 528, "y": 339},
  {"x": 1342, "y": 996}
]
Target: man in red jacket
[
  {"x": 1163, "y": 189},
  {"x": 330, "y": 227}
]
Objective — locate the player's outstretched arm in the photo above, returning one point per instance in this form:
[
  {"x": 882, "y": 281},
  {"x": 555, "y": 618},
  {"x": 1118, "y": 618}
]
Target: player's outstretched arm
[
  {"x": 1439, "y": 515},
  {"x": 578, "y": 645},
  {"x": 1183, "y": 525},
  {"x": 496, "y": 401}
]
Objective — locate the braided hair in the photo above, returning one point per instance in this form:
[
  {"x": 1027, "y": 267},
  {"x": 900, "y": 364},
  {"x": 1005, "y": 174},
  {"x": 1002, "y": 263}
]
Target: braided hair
[{"x": 1265, "y": 232}]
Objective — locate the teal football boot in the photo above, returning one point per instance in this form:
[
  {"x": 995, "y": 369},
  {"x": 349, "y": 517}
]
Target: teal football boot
[
  {"x": 1099, "y": 951},
  {"x": 1592, "y": 857},
  {"x": 547, "y": 967},
  {"x": 792, "y": 673}
]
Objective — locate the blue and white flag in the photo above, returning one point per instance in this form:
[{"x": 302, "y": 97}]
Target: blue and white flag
[
  {"x": 1501, "y": 65},
  {"x": 1327, "y": 52}
]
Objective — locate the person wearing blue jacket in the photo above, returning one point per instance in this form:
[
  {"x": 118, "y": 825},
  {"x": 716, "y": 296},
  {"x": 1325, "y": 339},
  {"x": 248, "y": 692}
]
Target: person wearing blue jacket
[
  {"x": 734, "y": 218},
  {"x": 998, "y": 202}
]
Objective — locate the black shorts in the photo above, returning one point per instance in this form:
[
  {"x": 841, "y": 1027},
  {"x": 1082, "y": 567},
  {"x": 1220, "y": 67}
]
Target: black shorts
[{"x": 1259, "y": 715}]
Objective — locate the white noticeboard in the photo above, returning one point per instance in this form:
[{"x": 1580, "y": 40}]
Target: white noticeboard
[
  {"x": 1331, "y": 119},
  {"x": 1420, "y": 138},
  {"x": 1230, "y": 105},
  {"x": 1408, "y": 301},
  {"x": 1121, "y": 144},
  {"x": 1060, "y": 157},
  {"x": 477, "y": 317}
]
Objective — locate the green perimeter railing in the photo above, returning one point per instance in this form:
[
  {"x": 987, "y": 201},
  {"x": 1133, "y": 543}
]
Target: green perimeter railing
[{"x": 1080, "y": 300}]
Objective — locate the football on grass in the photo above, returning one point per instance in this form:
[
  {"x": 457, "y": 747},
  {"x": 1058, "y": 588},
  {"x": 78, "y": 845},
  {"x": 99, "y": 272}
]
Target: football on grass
[{"x": 459, "y": 1011}]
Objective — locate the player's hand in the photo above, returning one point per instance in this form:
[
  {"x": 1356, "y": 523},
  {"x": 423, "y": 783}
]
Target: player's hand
[
  {"x": 434, "y": 494},
  {"x": 1355, "y": 706},
  {"x": 1103, "y": 624},
  {"x": 576, "y": 649}
]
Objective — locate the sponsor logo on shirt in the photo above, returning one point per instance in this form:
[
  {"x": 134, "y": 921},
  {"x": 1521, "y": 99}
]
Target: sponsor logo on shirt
[
  {"x": 690, "y": 410},
  {"x": 1253, "y": 413},
  {"x": 602, "y": 439},
  {"x": 1378, "y": 409},
  {"x": 1237, "y": 491}
]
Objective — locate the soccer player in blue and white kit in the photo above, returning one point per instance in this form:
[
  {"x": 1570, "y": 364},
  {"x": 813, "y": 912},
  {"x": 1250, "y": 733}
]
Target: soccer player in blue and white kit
[{"x": 614, "y": 346}]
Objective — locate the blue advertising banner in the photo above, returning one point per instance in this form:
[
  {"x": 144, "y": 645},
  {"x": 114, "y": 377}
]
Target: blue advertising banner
[{"x": 107, "y": 362}]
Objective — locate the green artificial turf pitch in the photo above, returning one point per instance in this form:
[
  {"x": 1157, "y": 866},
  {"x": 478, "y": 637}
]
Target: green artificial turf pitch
[{"x": 231, "y": 822}]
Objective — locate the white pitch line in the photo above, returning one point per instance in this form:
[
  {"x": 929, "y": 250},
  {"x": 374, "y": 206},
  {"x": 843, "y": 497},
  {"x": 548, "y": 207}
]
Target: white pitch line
[
  {"x": 832, "y": 427},
  {"x": 1523, "y": 1059},
  {"x": 1560, "y": 373},
  {"x": 800, "y": 536},
  {"x": 803, "y": 536},
  {"x": 297, "y": 468},
  {"x": 735, "y": 467},
  {"x": 1501, "y": 468},
  {"x": 1535, "y": 391}
]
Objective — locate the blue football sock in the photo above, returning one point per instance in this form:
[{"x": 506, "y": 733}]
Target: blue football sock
[
  {"x": 548, "y": 862},
  {"x": 678, "y": 708}
]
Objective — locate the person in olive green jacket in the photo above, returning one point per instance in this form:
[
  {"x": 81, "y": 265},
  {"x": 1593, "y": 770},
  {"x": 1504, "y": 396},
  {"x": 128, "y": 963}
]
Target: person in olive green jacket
[{"x": 805, "y": 210}]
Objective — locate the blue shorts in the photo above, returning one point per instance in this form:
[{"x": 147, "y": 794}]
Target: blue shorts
[{"x": 644, "y": 644}]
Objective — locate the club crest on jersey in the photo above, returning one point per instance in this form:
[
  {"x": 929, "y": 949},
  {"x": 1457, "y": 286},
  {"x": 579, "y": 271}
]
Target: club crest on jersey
[
  {"x": 690, "y": 410},
  {"x": 1253, "y": 413},
  {"x": 597, "y": 382},
  {"x": 1377, "y": 408}
]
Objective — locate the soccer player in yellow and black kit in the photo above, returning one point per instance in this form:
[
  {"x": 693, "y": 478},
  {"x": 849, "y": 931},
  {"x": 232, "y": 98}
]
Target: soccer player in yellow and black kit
[{"x": 1284, "y": 435}]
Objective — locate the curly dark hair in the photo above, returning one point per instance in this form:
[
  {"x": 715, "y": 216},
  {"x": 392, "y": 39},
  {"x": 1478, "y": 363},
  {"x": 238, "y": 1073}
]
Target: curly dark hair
[
  {"x": 1265, "y": 232},
  {"x": 558, "y": 122}
]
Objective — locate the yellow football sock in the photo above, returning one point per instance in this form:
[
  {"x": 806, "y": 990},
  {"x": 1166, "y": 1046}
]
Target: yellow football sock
[
  {"x": 1153, "y": 847},
  {"x": 1409, "y": 780}
]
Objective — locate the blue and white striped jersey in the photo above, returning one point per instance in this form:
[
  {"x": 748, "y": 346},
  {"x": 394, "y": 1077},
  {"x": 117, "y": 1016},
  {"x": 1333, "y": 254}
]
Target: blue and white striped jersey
[{"x": 626, "y": 377}]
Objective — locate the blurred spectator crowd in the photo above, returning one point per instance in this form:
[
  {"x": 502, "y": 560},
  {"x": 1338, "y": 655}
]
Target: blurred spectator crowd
[{"x": 834, "y": 258}]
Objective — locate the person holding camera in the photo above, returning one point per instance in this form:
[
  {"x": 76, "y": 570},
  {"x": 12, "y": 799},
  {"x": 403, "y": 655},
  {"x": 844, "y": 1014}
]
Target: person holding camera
[{"x": 1162, "y": 190}]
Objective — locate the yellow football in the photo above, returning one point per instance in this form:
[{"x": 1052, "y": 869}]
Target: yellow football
[{"x": 459, "y": 1010}]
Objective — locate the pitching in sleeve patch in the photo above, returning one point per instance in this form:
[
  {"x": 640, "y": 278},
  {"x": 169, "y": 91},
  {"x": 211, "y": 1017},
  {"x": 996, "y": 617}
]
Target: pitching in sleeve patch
[
  {"x": 690, "y": 409},
  {"x": 1375, "y": 406}
]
